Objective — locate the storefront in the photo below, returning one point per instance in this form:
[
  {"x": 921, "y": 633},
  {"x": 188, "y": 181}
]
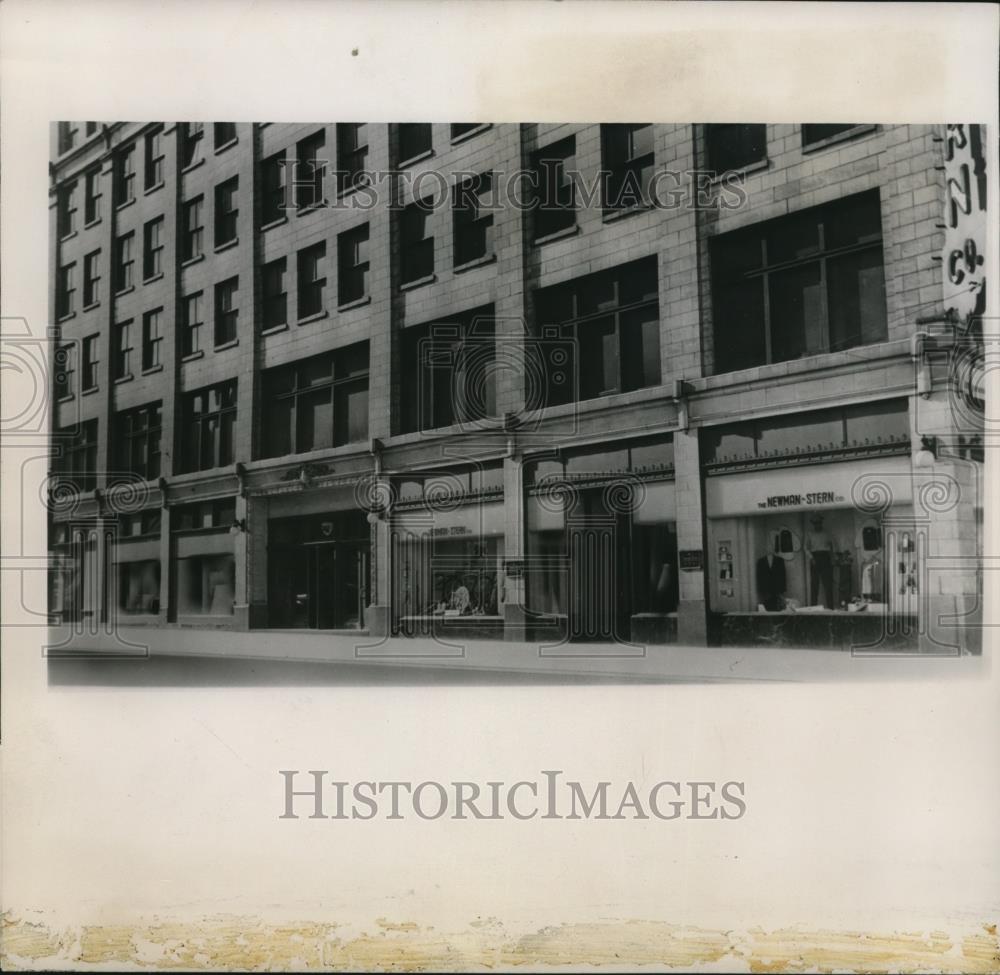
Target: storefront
[
  {"x": 447, "y": 553},
  {"x": 136, "y": 580},
  {"x": 204, "y": 563},
  {"x": 74, "y": 583},
  {"x": 601, "y": 544},
  {"x": 813, "y": 544}
]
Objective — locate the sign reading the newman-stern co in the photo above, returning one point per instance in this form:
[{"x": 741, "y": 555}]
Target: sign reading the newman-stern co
[{"x": 965, "y": 223}]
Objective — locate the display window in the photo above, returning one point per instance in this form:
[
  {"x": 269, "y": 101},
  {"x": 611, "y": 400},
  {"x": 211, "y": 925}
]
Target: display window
[
  {"x": 204, "y": 559},
  {"x": 139, "y": 587}
]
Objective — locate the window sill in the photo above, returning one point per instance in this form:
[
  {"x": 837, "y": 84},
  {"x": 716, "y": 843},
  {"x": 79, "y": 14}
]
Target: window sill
[
  {"x": 271, "y": 224},
  {"x": 412, "y": 160},
  {"x": 153, "y": 188},
  {"x": 232, "y": 343},
  {"x": 125, "y": 291},
  {"x": 192, "y": 260},
  {"x": 740, "y": 171},
  {"x": 187, "y": 169},
  {"x": 305, "y": 209},
  {"x": 355, "y": 303},
  {"x": 124, "y": 379},
  {"x": 91, "y": 306},
  {"x": 471, "y": 134},
  {"x": 418, "y": 282},
  {"x": 153, "y": 277},
  {"x": 92, "y": 223},
  {"x": 69, "y": 236},
  {"x": 68, "y": 398},
  {"x": 610, "y": 216},
  {"x": 124, "y": 206},
  {"x": 151, "y": 370},
  {"x": 845, "y": 136},
  {"x": 557, "y": 235},
  {"x": 226, "y": 145},
  {"x": 346, "y": 191},
  {"x": 90, "y": 391},
  {"x": 191, "y": 356},
  {"x": 226, "y": 245},
  {"x": 65, "y": 318},
  {"x": 275, "y": 329},
  {"x": 314, "y": 317},
  {"x": 477, "y": 262}
]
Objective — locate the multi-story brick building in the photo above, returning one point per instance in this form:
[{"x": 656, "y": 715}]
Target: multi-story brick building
[{"x": 489, "y": 389}]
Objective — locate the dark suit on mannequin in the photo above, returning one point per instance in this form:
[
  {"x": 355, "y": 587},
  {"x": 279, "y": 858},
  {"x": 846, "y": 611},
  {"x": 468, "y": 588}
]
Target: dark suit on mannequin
[{"x": 771, "y": 582}]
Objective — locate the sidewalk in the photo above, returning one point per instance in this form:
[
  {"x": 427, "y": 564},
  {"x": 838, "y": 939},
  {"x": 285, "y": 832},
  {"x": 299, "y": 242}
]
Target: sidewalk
[{"x": 397, "y": 660}]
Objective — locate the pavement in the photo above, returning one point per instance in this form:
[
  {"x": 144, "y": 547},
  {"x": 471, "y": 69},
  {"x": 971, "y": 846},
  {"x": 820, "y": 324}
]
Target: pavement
[{"x": 148, "y": 655}]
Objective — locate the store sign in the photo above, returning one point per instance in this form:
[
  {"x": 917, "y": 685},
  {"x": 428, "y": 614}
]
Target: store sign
[
  {"x": 809, "y": 488},
  {"x": 965, "y": 225},
  {"x": 465, "y": 520},
  {"x": 691, "y": 559}
]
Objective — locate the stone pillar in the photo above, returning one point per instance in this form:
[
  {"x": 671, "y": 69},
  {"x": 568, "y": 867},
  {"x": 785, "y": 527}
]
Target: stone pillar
[
  {"x": 380, "y": 595},
  {"x": 241, "y": 556},
  {"x": 692, "y": 609},
  {"x": 254, "y": 542},
  {"x": 165, "y": 565}
]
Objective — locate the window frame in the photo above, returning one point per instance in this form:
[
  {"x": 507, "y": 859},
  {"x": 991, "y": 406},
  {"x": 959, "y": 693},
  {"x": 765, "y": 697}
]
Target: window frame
[
  {"x": 227, "y": 312},
  {"x": 124, "y": 176},
  {"x": 152, "y": 248},
  {"x": 309, "y": 192},
  {"x": 140, "y": 440},
  {"x": 227, "y": 192},
  {"x": 92, "y": 281},
  {"x": 192, "y": 324},
  {"x": 77, "y": 462},
  {"x": 310, "y": 284},
  {"x": 66, "y": 291},
  {"x": 552, "y": 180},
  {"x": 154, "y": 159},
  {"x": 124, "y": 262},
  {"x": 715, "y": 134},
  {"x": 92, "y": 196},
  {"x": 226, "y": 137},
  {"x": 411, "y": 154},
  {"x": 192, "y": 142},
  {"x": 273, "y": 190},
  {"x": 122, "y": 359},
  {"x": 66, "y": 209},
  {"x": 270, "y": 298},
  {"x": 195, "y": 420},
  {"x": 349, "y": 150},
  {"x": 472, "y": 221},
  {"x": 89, "y": 366},
  {"x": 631, "y": 162},
  {"x": 350, "y": 266},
  {"x": 409, "y": 243},
  {"x": 193, "y": 234},
  {"x": 152, "y": 341}
]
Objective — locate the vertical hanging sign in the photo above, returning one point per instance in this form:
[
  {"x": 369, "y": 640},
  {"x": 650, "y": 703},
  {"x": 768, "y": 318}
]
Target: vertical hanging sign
[{"x": 964, "y": 224}]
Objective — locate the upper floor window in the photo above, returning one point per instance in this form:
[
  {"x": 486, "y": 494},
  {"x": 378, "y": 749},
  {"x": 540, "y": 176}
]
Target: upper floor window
[
  {"x": 800, "y": 285},
  {"x": 92, "y": 196},
  {"x": 417, "y": 242},
  {"x": 137, "y": 440},
  {"x": 226, "y": 311},
  {"x": 192, "y": 228},
  {"x": 124, "y": 261},
  {"x": 154, "y": 158},
  {"x": 352, "y": 259},
  {"x": 66, "y": 209},
  {"x": 75, "y": 460},
  {"x": 192, "y": 320},
  {"x": 310, "y": 171},
  {"x": 812, "y": 134},
  {"x": 461, "y": 129},
  {"x": 124, "y": 171},
  {"x": 66, "y": 290},
  {"x": 473, "y": 219},
  {"x": 152, "y": 339},
  {"x": 91, "y": 362},
  {"x": 152, "y": 248},
  {"x": 123, "y": 350},
  {"x": 733, "y": 146},
  {"x": 67, "y": 136},
  {"x": 226, "y": 211},
  {"x": 352, "y": 154},
  {"x": 272, "y": 203},
  {"x": 209, "y": 419},
  {"x": 414, "y": 140},
  {"x": 65, "y": 371},
  {"x": 91, "y": 128},
  {"x": 91, "y": 278},
  {"x": 311, "y": 279},
  {"x": 627, "y": 159},
  {"x": 553, "y": 167},
  {"x": 225, "y": 134},
  {"x": 192, "y": 135},
  {"x": 275, "y": 293},
  {"x": 609, "y": 325},
  {"x": 451, "y": 377},
  {"x": 316, "y": 403}
]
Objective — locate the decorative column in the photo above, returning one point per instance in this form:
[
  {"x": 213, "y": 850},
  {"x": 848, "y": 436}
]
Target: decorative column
[{"x": 692, "y": 608}]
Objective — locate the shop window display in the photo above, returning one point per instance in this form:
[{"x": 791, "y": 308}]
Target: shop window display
[
  {"x": 139, "y": 587},
  {"x": 206, "y": 585}
]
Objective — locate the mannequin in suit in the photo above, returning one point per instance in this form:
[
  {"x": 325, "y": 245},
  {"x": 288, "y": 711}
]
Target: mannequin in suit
[{"x": 771, "y": 582}]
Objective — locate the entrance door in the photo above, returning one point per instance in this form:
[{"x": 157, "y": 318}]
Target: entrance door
[
  {"x": 599, "y": 597},
  {"x": 338, "y": 586}
]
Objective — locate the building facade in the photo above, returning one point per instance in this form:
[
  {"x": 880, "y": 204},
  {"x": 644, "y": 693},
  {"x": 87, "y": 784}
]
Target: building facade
[{"x": 629, "y": 383}]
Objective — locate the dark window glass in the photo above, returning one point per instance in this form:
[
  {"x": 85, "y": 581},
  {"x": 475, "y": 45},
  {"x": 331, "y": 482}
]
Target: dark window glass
[
  {"x": 275, "y": 293},
  {"x": 67, "y": 206},
  {"x": 735, "y": 146},
  {"x": 817, "y": 133},
  {"x": 124, "y": 185},
  {"x": 414, "y": 140},
  {"x": 75, "y": 455},
  {"x": 556, "y": 208},
  {"x": 137, "y": 440},
  {"x": 225, "y": 133},
  {"x": 352, "y": 258},
  {"x": 273, "y": 188},
  {"x": 473, "y": 219},
  {"x": 226, "y": 211},
  {"x": 67, "y": 136},
  {"x": 66, "y": 291},
  {"x": 316, "y": 403},
  {"x": 352, "y": 153},
  {"x": 627, "y": 161},
  {"x": 417, "y": 242},
  {"x": 226, "y": 312},
  {"x": 463, "y": 128},
  {"x": 805, "y": 284},
  {"x": 209, "y": 424},
  {"x": 311, "y": 279},
  {"x": 192, "y": 136}
]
